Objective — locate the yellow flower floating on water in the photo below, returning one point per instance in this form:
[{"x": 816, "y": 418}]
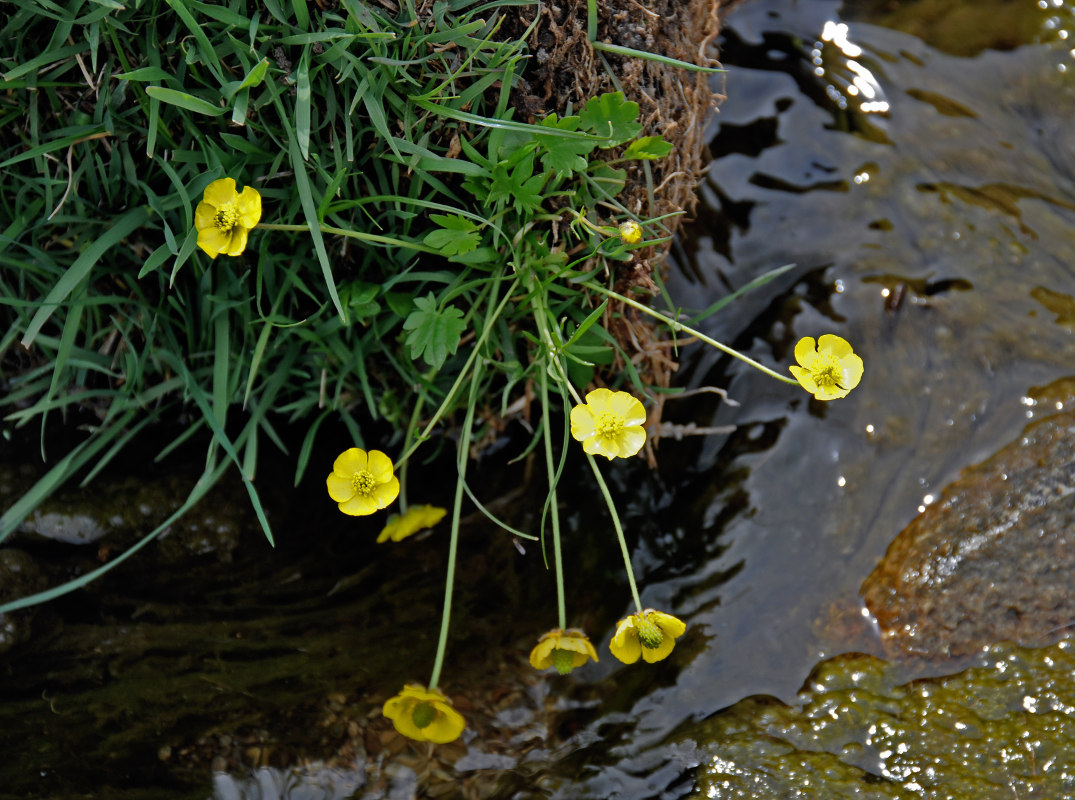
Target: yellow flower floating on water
[
  {"x": 224, "y": 217},
  {"x": 631, "y": 232},
  {"x": 563, "y": 649},
  {"x": 651, "y": 635},
  {"x": 609, "y": 424},
  {"x": 416, "y": 519},
  {"x": 362, "y": 482},
  {"x": 424, "y": 715},
  {"x": 830, "y": 371}
]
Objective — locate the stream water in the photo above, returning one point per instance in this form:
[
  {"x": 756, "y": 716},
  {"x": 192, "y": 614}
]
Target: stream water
[{"x": 915, "y": 161}]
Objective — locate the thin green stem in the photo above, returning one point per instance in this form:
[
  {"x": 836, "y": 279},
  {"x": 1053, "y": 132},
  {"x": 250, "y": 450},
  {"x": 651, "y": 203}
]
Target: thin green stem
[
  {"x": 679, "y": 327},
  {"x": 412, "y": 425},
  {"x": 461, "y": 463},
  {"x": 619, "y": 532},
  {"x": 561, "y": 606},
  {"x": 360, "y": 235}
]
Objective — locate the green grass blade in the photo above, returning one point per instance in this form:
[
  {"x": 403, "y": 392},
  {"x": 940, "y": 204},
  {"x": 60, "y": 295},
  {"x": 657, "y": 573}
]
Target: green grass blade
[{"x": 120, "y": 229}]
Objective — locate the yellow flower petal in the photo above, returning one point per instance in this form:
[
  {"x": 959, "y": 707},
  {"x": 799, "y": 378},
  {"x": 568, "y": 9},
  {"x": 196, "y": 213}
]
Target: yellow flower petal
[
  {"x": 359, "y": 506},
  {"x": 653, "y": 654},
  {"x": 379, "y": 465},
  {"x": 625, "y": 644},
  {"x": 249, "y": 207},
  {"x": 631, "y": 441},
  {"x": 600, "y": 400},
  {"x": 203, "y": 216},
  {"x": 385, "y": 493},
  {"x": 340, "y": 489},
  {"x": 852, "y": 371},
  {"x": 806, "y": 352},
  {"x": 582, "y": 422},
  {"x": 416, "y": 519},
  {"x": 671, "y": 626},
  {"x": 237, "y": 241},
  {"x": 628, "y": 407},
  {"x": 349, "y": 462},
  {"x": 213, "y": 241},
  {"x": 805, "y": 379},
  {"x": 221, "y": 192},
  {"x": 832, "y": 345},
  {"x": 541, "y": 655},
  {"x": 600, "y": 446},
  {"x": 446, "y": 726}
]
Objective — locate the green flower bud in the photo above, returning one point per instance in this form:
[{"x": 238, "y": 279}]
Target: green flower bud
[
  {"x": 423, "y": 715},
  {"x": 648, "y": 633},
  {"x": 563, "y": 660}
]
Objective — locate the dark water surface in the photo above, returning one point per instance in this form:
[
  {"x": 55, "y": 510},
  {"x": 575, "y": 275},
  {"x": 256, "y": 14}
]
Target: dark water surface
[{"x": 917, "y": 166}]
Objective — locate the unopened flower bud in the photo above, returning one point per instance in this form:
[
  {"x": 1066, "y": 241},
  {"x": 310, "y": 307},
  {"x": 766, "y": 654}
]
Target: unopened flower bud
[
  {"x": 631, "y": 232},
  {"x": 648, "y": 633},
  {"x": 423, "y": 715}
]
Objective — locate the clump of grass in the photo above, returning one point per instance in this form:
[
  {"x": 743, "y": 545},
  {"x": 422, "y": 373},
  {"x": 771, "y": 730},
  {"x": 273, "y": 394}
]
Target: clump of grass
[{"x": 395, "y": 127}]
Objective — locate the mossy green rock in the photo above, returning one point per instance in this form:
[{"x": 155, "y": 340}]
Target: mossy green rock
[{"x": 1004, "y": 729}]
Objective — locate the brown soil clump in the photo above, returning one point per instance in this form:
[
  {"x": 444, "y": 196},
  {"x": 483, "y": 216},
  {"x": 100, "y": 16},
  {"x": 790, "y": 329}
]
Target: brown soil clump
[{"x": 566, "y": 71}]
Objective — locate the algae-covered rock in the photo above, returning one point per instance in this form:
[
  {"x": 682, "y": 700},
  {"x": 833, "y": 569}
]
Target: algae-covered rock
[
  {"x": 1001, "y": 730},
  {"x": 993, "y": 559}
]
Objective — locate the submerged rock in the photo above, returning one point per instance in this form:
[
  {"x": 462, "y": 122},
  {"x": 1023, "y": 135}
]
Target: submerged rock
[
  {"x": 992, "y": 560},
  {"x": 1002, "y": 730}
]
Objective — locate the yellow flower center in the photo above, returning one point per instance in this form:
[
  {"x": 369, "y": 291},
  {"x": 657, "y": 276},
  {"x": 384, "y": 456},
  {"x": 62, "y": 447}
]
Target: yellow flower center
[
  {"x": 648, "y": 633},
  {"x": 423, "y": 715},
  {"x": 226, "y": 217},
  {"x": 828, "y": 374},
  {"x": 363, "y": 483},
  {"x": 609, "y": 425},
  {"x": 563, "y": 660}
]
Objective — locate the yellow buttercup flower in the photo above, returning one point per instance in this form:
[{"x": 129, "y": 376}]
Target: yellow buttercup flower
[
  {"x": 631, "y": 232},
  {"x": 417, "y": 518},
  {"x": 609, "y": 424},
  {"x": 651, "y": 635},
  {"x": 362, "y": 482},
  {"x": 424, "y": 715},
  {"x": 830, "y": 371},
  {"x": 563, "y": 649},
  {"x": 224, "y": 217}
]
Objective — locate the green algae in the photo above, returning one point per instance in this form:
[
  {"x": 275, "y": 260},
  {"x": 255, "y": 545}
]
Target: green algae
[{"x": 1002, "y": 729}]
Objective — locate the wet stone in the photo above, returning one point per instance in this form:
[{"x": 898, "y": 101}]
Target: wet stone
[
  {"x": 992, "y": 560},
  {"x": 1003, "y": 729},
  {"x": 19, "y": 576}
]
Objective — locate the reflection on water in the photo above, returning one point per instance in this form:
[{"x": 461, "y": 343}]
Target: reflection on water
[{"x": 863, "y": 88}]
